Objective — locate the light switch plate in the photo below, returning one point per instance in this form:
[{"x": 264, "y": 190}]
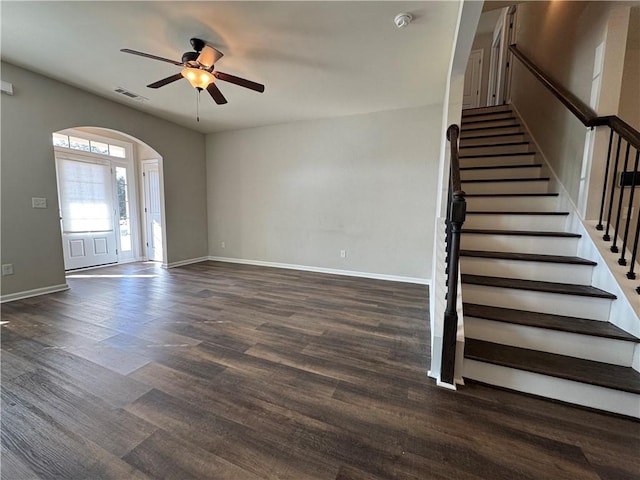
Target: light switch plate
[
  {"x": 7, "y": 269},
  {"x": 37, "y": 202}
]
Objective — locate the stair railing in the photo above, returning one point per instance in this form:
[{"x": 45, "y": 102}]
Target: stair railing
[
  {"x": 456, "y": 212},
  {"x": 619, "y": 178}
]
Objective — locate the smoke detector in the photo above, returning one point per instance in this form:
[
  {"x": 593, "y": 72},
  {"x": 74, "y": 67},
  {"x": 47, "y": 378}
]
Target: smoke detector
[{"x": 402, "y": 20}]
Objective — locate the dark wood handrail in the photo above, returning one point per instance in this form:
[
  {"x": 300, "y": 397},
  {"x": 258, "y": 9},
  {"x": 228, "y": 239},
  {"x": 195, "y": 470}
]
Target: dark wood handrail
[
  {"x": 581, "y": 110},
  {"x": 453, "y": 132},
  {"x": 623, "y": 129}
]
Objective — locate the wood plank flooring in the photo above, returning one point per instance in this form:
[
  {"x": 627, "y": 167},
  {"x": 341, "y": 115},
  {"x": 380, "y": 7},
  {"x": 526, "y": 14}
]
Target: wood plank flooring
[{"x": 222, "y": 371}]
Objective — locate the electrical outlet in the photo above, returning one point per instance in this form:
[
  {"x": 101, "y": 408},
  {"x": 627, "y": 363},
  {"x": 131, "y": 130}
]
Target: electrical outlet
[
  {"x": 7, "y": 269},
  {"x": 37, "y": 202},
  {"x": 223, "y": 244},
  {"x": 343, "y": 254}
]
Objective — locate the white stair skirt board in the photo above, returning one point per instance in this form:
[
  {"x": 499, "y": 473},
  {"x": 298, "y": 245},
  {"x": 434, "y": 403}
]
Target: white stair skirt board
[
  {"x": 506, "y": 187},
  {"x": 482, "y": 130},
  {"x": 479, "y": 123},
  {"x": 519, "y": 244},
  {"x": 544, "y": 302},
  {"x": 588, "y": 347},
  {"x": 485, "y": 173},
  {"x": 543, "y": 223},
  {"x": 495, "y": 149},
  {"x": 525, "y": 270},
  {"x": 491, "y": 139},
  {"x": 615, "y": 401},
  {"x": 495, "y": 161},
  {"x": 521, "y": 204}
]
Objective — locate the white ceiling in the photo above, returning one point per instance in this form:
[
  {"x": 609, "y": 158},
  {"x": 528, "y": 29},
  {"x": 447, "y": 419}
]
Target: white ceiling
[{"x": 316, "y": 59}]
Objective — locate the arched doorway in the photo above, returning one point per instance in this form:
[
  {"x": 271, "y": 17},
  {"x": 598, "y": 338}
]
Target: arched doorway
[{"x": 111, "y": 198}]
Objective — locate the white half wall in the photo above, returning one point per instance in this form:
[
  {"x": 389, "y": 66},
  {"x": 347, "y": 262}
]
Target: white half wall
[{"x": 300, "y": 193}]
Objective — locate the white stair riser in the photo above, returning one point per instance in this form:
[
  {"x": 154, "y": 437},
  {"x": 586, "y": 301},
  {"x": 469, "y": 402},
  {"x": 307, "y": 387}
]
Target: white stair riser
[
  {"x": 506, "y": 187},
  {"x": 527, "y": 204},
  {"x": 480, "y": 130},
  {"x": 470, "y": 112},
  {"x": 543, "y": 223},
  {"x": 615, "y": 401},
  {"x": 478, "y": 123},
  {"x": 488, "y": 116},
  {"x": 492, "y": 139},
  {"x": 588, "y": 347},
  {"x": 543, "y": 302},
  {"x": 495, "y": 149},
  {"x": 497, "y": 161},
  {"x": 541, "y": 271},
  {"x": 519, "y": 244},
  {"x": 528, "y": 172}
]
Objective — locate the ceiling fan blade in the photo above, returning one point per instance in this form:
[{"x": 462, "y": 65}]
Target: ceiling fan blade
[
  {"x": 148, "y": 55},
  {"x": 209, "y": 56},
  {"x": 239, "y": 81},
  {"x": 165, "y": 81},
  {"x": 216, "y": 94}
]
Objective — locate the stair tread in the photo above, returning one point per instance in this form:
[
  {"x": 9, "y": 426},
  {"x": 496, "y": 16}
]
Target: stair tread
[
  {"x": 513, "y": 134},
  {"x": 538, "y": 286},
  {"x": 487, "y": 109},
  {"x": 525, "y": 179},
  {"x": 486, "y": 128},
  {"x": 494, "y": 167},
  {"x": 484, "y": 155},
  {"x": 513, "y": 212},
  {"x": 579, "y": 370},
  {"x": 549, "y": 321},
  {"x": 529, "y": 233},
  {"x": 512, "y": 194},
  {"x": 486, "y": 120},
  {"x": 494, "y": 145},
  {"x": 528, "y": 257}
]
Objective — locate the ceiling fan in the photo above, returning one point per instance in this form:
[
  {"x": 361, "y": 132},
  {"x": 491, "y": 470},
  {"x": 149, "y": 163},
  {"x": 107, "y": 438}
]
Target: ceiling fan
[{"x": 198, "y": 68}]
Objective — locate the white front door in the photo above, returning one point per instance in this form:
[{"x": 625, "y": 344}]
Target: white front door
[
  {"x": 153, "y": 211},
  {"x": 86, "y": 194},
  {"x": 473, "y": 80}
]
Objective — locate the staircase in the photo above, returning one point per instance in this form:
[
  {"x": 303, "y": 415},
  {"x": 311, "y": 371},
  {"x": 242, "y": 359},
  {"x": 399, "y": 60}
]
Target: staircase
[{"x": 533, "y": 322}]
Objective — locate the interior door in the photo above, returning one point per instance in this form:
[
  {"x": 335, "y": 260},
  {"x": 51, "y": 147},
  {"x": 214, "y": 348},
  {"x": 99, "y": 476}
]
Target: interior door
[
  {"x": 86, "y": 194},
  {"x": 472, "y": 80},
  {"x": 153, "y": 212}
]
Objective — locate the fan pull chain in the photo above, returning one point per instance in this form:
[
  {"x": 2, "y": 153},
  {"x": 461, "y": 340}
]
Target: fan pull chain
[{"x": 198, "y": 106}]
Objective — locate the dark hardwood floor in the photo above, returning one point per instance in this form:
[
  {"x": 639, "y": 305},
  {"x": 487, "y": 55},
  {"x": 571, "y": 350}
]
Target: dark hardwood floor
[{"x": 222, "y": 371}]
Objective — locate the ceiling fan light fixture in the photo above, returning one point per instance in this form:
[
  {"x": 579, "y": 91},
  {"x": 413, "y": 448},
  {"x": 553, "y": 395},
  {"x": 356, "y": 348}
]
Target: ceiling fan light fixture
[{"x": 198, "y": 78}]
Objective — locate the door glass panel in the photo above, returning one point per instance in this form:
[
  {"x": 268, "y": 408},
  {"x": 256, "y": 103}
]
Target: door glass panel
[
  {"x": 99, "y": 147},
  {"x": 79, "y": 144},
  {"x": 60, "y": 140},
  {"x": 116, "y": 151},
  {"x": 124, "y": 220},
  {"x": 86, "y": 198}
]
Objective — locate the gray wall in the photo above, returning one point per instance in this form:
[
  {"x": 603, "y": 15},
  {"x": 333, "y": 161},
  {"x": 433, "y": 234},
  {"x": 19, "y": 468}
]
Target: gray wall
[
  {"x": 561, "y": 38},
  {"x": 630, "y": 95},
  {"x": 299, "y": 193},
  {"x": 31, "y": 238}
]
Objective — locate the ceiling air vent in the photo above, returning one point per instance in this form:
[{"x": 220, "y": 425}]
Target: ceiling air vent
[{"x": 127, "y": 93}]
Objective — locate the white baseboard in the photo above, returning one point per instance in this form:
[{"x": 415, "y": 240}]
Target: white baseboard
[
  {"x": 33, "y": 293},
  {"x": 333, "y": 271},
  {"x": 189, "y": 261}
]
